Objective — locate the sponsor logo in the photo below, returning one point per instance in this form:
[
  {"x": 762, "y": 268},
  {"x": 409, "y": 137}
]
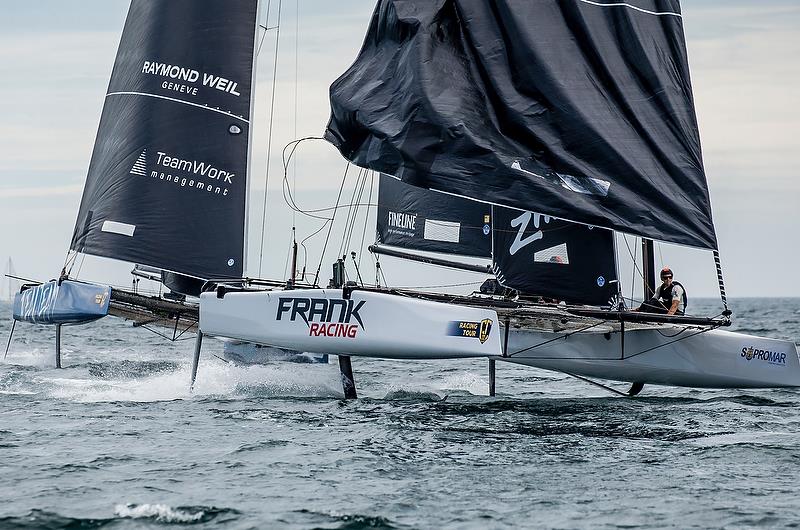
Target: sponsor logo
[
  {"x": 100, "y": 299},
  {"x": 772, "y": 357},
  {"x": 522, "y": 222},
  {"x": 402, "y": 224},
  {"x": 472, "y": 330},
  {"x": 407, "y": 221},
  {"x": 195, "y": 174},
  {"x": 200, "y": 169},
  {"x": 187, "y": 80},
  {"x": 601, "y": 281},
  {"x": 486, "y": 328},
  {"x": 324, "y": 317},
  {"x": 486, "y": 230}
]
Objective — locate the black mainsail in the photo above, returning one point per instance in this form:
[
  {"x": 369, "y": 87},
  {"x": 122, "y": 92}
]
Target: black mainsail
[
  {"x": 168, "y": 177},
  {"x": 579, "y": 109}
]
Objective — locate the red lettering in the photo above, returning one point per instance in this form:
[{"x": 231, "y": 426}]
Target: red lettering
[{"x": 333, "y": 330}]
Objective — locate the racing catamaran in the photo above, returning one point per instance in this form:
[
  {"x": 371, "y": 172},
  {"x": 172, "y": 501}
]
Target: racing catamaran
[
  {"x": 577, "y": 110},
  {"x": 526, "y": 132}
]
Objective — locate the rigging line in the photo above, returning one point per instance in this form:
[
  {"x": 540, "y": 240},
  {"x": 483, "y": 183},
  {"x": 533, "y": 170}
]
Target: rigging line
[
  {"x": 383, "y": 275},
  {"x": 595, "y": 383},
  {"x": 288, "y": 198},
  {"x": 633, "y": 269},
  {"x": 288, "y": 254},
  {"x": 72, "y": 256},
  {"x": 379, "y": 271},
  {"x": 674, "y": 335},
  {"x": 305, "y": 249},
  {"x": 167, "y": 337},
  {"x": 617, "y": 359},
  {"x": 296, "y": 69},
  {"x": 660, "y": 255},
  {"x": 342, "y": 247},
  {"x": 366, "y": 217},
  {"x": 330, "y": 226},
  {"x": 266, "y": 28},
  {"x": 269, "y": 137},
  {"x": 368, "y": 204},
  {"x": 355, "y": 211},
  {"x": 721, "y": 282},
  {"x": 83, "y": 260},
  {"x": 587, "y": 328},
  {"x": 439, "y": 286},
  {"x": 672, "y": 341},
  {"x": 350, "y": 212},
  {"x": 635, "y": 265},
  {"x": 185, "y": 330}
]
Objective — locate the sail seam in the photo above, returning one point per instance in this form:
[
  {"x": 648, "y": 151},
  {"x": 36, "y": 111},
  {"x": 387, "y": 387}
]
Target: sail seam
[
  {"x": 636, "y": 8},
  {"x": 204, "y": 107}
]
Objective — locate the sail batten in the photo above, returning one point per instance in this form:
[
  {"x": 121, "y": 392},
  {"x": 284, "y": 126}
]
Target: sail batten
[
  {"x": 167, "y": 183},
  {"x": 581, "y": 110}
]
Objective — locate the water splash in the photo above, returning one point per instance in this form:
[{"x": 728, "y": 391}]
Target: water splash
[{"x": 166, "y": 514}]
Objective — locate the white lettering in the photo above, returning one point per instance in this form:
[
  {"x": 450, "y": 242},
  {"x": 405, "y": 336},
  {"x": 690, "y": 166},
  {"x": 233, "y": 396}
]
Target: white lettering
[
  {"x": 407, "y": 221},
  {"x": 522, "y": 222}
]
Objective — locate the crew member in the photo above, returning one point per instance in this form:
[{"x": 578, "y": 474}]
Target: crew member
[{"x": 670, "y": 297}]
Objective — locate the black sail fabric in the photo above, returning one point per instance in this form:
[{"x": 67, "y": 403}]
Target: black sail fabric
[
  {"x": 543, "y": 256},
  {"x": 419, "y": 219},
  {"x": 579, "y": 109},
  {"x": 167, "y": 182}
]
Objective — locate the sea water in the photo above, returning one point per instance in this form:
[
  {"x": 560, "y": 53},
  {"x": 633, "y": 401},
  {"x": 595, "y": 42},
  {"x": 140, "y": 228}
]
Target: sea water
[{"x": 117, "y": 440}]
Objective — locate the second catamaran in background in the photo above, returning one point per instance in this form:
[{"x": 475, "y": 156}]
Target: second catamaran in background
[{"x": 523, "y": 134}]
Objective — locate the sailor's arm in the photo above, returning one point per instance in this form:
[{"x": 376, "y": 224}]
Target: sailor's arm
[{"x": 674, "y": 307}]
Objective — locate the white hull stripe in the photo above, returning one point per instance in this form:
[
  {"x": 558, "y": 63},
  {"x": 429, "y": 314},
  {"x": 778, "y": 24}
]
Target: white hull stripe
[
  {"x": 629, "y": 6},
  {"x": 122, "y": 229},
  {"x": 204, "y": 107}
]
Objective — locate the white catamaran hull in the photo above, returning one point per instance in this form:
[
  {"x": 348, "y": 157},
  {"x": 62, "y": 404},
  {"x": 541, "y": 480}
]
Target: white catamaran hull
[
  {"x": 711, "y": 359},
  {"x": 367, "y": 324},
  {"x": 382, "y": 325}
]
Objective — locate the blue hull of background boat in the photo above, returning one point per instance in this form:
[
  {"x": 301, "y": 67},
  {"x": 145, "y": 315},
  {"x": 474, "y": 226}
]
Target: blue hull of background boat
[{"x": 67, "y": 303}]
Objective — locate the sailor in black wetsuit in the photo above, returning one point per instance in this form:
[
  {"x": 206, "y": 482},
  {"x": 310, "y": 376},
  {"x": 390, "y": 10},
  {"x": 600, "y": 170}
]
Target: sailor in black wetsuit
[{"x": 670, "y": 297}]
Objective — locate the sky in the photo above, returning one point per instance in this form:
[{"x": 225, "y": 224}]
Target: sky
[{"x": 56, "y": 57}]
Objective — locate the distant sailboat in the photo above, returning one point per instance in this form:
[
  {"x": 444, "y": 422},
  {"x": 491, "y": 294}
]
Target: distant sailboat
[
  {"x": 9, "y": 285},
  {"x": 168, "y": 183}
]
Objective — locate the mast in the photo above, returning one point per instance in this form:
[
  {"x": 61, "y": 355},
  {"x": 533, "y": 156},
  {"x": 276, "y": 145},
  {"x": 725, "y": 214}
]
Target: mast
[
  {"x": 249, "y": 173},
  {"x": 648, "y": 269}
]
